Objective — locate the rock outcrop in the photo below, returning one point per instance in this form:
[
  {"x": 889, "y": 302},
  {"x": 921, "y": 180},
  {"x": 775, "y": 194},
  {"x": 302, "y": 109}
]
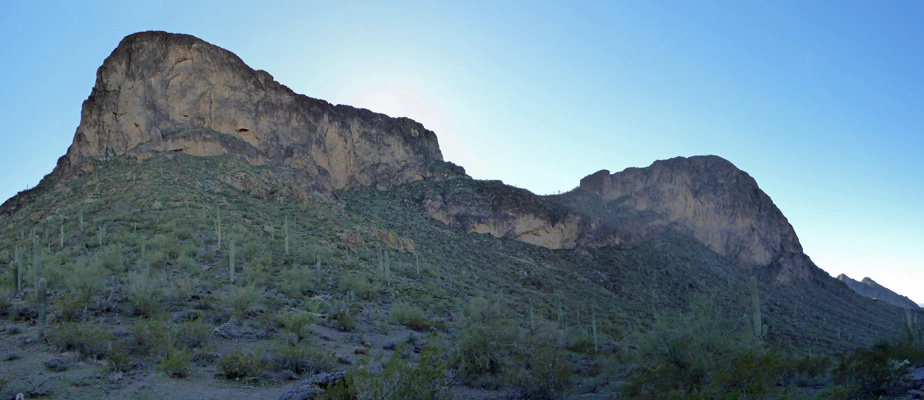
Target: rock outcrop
[
  {"x": 502, "y": 211},
  {"x": 704, "y": 197},
  {"x": 159, "y": 91},
  {"x": 869, "y": 288}
]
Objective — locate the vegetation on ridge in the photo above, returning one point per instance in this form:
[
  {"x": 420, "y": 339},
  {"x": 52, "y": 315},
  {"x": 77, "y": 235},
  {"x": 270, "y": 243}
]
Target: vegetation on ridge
[{"x": 137, "y": 283}]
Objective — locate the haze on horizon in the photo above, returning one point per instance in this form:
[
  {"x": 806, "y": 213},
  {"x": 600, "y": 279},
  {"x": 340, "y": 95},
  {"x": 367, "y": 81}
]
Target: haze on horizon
[{"x": 820, "y": 104}]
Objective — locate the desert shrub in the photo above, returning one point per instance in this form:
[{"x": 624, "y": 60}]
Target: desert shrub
[
  {"x": 144, "y": 293},
  {"x": 340, "y": 313},
  {"x": 360, "y": 285},
  {"x": 111, "y": 258},
  {"x": 119, "y": 358},
  {"x": 410, "y": 315},
  {"x": 539, "y": 366},
  {"x": 5, "y": 303},
  {"x": 242, "y": 299},
  {"x": 183, "y": 233},
  {"x": 395, "y": 378},
  {"x": 175, "y": 363},
  {"x": 88, "y": 340},
  {"x": 877, "y": 371},
  {"x": 168, "y": 244},
  {"x": 299, "y": 358},
  {"x": 341, "y": 321},
  {"x": 239, "y": 365},
  {"x": 87, "y": 279},
  {"x": 486, "y": 339},
  {"x": 705, "y": 352},
  {"x": 297, "y": 324},
  {"x": 183, "y": 286},
  {"x": 151, "y": 335},
  {"x": 192, "y": 334},
  {"x": 294, "y": 282}
]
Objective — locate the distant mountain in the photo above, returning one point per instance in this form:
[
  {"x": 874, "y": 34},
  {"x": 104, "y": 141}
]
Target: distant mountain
[{"x": 869, "y": 288}]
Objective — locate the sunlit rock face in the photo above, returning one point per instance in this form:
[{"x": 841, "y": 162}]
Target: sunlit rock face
[
  {"x": 869, "y": 288},
  {"x": 705, "y": 197},
  {"x": 169, "y": 92}
]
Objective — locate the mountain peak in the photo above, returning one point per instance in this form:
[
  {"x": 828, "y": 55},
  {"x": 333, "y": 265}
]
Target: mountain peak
[
  {"x": 708, "y": 198},
  {"x": 869, "y": 288},
  {"x": 160, "y": 92}
]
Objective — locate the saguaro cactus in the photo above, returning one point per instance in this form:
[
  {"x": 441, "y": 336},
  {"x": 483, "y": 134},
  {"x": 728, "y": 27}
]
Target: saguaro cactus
[
  {"x": 36, "y": 260},
  {"x": 18, "y": 269},
  {"x": 760, "y": 330},
  {"x": 218, "y": 227},
  {"x": 42, "y": 292},
  {"x": 285, "y": 233},
  {"x": 231, "y": 260}
]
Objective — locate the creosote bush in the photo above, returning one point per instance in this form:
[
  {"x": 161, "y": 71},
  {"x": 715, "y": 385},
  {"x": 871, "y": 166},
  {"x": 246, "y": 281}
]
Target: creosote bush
[
  {"x": 300, "y": 358},
  {"x": 88, "y": 340},
  {"x": 395, "y": 378},
  {"x": 175, "y": 363},
  {"x": 410, "y": 315},
  {"x": 238, "y": 365}
]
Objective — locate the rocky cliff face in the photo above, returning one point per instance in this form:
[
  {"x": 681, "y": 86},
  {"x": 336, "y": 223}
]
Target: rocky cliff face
[
  {"x": 168, "y": 92},
  {"x": 869, "y": 288},
  {"x": 704, "y": 197}
]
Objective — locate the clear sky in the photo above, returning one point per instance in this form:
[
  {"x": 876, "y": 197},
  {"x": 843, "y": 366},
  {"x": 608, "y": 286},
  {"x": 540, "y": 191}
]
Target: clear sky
[{"x": 821, "y": 102}]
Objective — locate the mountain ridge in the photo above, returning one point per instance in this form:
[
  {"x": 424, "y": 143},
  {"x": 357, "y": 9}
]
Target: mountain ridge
[
  {"x": 164, "y": 93},
  {"x": 870, "y": 288}
]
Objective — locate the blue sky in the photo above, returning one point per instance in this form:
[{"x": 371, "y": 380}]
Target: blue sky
[{"x": 821, "y": 102}]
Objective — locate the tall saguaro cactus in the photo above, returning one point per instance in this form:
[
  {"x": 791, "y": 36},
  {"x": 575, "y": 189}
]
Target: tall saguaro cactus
[
  {"x": 218, "y": 227},
  {"x": 42, "y": 292},
  {"x": 231, "y": 260},
  {"x": 760, "y": 330},
  {"x": 36, "y": 260},
  {"x": 285, "y": 232},
  {"x": 18, "y": 269}
]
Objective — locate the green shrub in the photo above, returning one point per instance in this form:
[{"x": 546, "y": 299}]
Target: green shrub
[
  {"x": 360, "y": 285},
  {"x": 294, "y": 283},
  {"x": 242, "y": 299},
  {"x": 119, "y": 357},
  {"x": 151, "y": 335},
  {"x": 239, "y": 365},
  {"x": 5, "y": 303},
  {"x": 486, "y": 340},
  {"x": 175, "y": 363},
  {"x": 397, "y": 378},
  {"x": 341, "y": 321},
  {"x": 145, "y": 293},
  {"x": 877, "y": 371},
  {"x": 192, "y": 334},
  {"x": 705, "y": 352},
  {"x": 410, "y": 315},
  {"x": 539, "y": 367},
  {"x": 88, "y": 340},
  {"x": 297, "y": 324},
  {"x": 299, "y": 358},
  {"x": 87, "y": 279},
  {"x": 169, "y": 245}
]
